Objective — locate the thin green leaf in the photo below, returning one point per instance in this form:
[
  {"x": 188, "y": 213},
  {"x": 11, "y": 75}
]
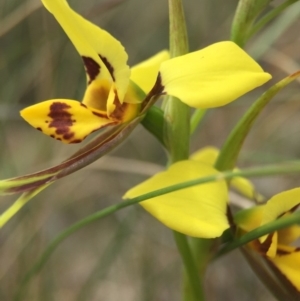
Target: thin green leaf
[{"x": 232, "y": 146}]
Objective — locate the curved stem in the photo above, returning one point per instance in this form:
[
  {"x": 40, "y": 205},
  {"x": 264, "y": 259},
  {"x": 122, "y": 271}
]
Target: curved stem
[{"x": 196, "y": 118}]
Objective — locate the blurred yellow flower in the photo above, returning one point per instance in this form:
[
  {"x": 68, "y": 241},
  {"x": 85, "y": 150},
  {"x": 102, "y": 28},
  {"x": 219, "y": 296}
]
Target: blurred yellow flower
[{"x": 276, "y": 248}]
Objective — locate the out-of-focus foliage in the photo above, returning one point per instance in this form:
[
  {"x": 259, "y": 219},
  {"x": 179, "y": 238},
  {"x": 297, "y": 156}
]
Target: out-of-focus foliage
[{"x": 118, "y": 258}]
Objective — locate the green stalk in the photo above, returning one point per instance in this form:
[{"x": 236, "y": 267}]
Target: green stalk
[
  {"x": 177, "y": 139},
  {"x": 234, "y": 142},
  {"x": 196, "y": 118},
  {"x": 176, "y": 113},
  {"x": 244, "y": 18}
]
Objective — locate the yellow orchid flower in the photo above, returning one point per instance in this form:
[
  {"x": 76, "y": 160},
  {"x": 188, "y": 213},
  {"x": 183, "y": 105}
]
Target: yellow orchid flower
[
  {"x": 198, "y": 211},
  {"x": 276, "y": 248},
  {"x": 211, "y": 77}
]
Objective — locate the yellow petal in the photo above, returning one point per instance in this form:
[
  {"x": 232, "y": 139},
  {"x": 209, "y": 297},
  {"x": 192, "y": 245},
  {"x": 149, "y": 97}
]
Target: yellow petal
[
  {"x": 272, "y": 250},
  {"x": 130, "y": 107},
  {"x": 208, "y": 155},
  {"x": 198, "y": 211},
  {"x": 249, "y": 219},
  {"x": 246, "y": 188},
  {"x": 289, "y": 265},
  {"x": 280, "y": 204},
  {"x": 96, "y": 94},
  {"x": 145, "y": 73},
  {"x": 288, "y": 235},
  {"x": 213, "y": 76},
  {"x": 65, "y": 120},
  {"x": 104, "y": 56}
]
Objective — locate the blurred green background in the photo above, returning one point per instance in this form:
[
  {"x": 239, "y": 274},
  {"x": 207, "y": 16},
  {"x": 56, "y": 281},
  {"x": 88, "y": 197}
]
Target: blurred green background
[{"x": 128, "y": 256}]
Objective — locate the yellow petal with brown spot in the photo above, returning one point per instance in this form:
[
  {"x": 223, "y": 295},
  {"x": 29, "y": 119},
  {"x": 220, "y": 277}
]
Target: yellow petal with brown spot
[
  {"x": 104, "y": 56},
  {"x": 280, "y": 204},
  {"x": 145, "y": 73},
  {"x": 66, "y": 120}
]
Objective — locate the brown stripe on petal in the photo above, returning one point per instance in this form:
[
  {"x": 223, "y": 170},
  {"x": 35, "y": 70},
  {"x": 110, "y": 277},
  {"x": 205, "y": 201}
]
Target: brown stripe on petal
[
  {"x": 109, "y": 67},
  {"x": 28, "y": 187},
  {"x": 99, "y": 114},
  {"x": 75, "y": 141},
  {"x": 157, "y": 90},
  {"x": 282, "y": 252},
  {"x": 293, "y": 209},
  {"x": 61, "y": 120},
  {"x": 265, "y": 246},
  {"x": 92, "y": 68}
]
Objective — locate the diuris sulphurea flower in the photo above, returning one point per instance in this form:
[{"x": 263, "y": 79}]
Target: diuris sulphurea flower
[{"x": 115, "y": 94}]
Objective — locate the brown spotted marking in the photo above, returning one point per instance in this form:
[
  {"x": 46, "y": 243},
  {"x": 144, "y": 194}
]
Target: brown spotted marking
[
  {"x": 92, "y": 68},
  {"x": 76, "y": 141},
  {"x": 99, "y": 114},
  {"x": 61, "y": 120},
  {"x": 120, "y": 109},
  {"x": 39, "y": 129},
  {"x": 109, "y": 67},
  {"x": 281, "y": 252},
  {"x": 265, "y": 246},
  {"x": 83, "y": 105}
]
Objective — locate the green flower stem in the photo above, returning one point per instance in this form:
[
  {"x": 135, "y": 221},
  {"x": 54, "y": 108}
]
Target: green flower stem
[
  {"x": 177, "y": 140},
  {"x": 244, "y": 18},
  {"x": 270, "y": 16},
  {"x": 278, "y": 224},
  {"x": 271, "y": 170},
  {"x": 196, "y": 118},
  {"x": 176, "y": 113},
  {"x": 192, "y": 287}
]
